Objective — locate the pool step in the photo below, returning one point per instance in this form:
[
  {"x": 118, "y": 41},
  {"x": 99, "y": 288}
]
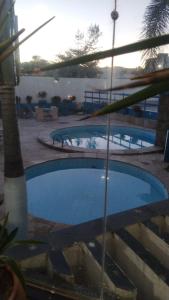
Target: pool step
[
  {"x": 148, "y": 274},
  {"x": 114, "y": 278}
]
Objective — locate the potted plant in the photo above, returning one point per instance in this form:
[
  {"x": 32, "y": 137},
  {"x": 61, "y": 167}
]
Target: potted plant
[
  {"x": 71, "y": 98},
  {"x": 42, "y": 94},
  {"x": 12, "y": 284},
  {"x": 55, "y": 100},
  {"x": 28, "y": 99}
]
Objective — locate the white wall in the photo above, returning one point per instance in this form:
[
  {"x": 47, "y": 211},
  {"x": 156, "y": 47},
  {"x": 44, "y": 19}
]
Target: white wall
[{"x": 31, "y": 85}]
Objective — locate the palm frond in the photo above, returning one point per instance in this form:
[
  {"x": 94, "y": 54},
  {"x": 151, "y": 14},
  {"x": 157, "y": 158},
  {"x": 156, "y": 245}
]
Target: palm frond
[
  {"x": 147, "y": 79},
  {"x": 135, "y": 98},
  {"x": 7, "y": 43},
  {"x": 150, "y": 74},
  {"x": 141, "y": 45},
  {"x": 3, "y": 230},
  {"x": 28, "y": 242},
  {"x": 156, "y": 19},
  {"x": 10, "y": 50},
  {"x": 7, "y": 241}
]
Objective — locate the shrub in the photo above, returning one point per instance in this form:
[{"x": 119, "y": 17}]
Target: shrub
[
  {"x": 42, "y": 94},
  {"x": 56, "y": 100}
]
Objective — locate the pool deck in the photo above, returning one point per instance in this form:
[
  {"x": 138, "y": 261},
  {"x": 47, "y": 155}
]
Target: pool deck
[
  {"x": 60, "y": 236},
  {"x": 34, "y": 152}
]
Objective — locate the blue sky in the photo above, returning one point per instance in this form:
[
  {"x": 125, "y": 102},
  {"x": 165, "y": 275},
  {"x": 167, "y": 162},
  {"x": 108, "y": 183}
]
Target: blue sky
[{"x": 72, "y": 15}]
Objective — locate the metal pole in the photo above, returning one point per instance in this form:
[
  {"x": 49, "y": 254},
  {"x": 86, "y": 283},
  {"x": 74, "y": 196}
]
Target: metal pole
[{"x": 114, "y": 16}]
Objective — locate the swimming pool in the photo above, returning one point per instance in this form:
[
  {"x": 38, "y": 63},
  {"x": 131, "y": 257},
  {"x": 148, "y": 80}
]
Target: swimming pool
[
  {"x": 71, "y": 191},
  {"x": 95, "y": 137}
]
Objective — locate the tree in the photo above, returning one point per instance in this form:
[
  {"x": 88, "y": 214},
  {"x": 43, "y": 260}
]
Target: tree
[
  {"x": 84, "y": 45},
  {"x": 156, "y": 20},
  {"x": 36, "y": 63}
]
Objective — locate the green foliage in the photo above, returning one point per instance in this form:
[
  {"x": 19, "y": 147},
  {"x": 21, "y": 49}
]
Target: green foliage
[
  {"x": 81, "y": 55},
  {"x": 36, "y": 63},
  {"x": 6, "y": 45},
  {"x": 135, "y": 98},
  {"x": 55, "y": 100},
  {"x": 137, "y": 46},
  {"x": 155, "y": 23},
  {"x": 84, "y": 44},
  {"x": 28, "y": 99},
  {"x": 42, "y": 94},
  {"x": 8, "y": 241}
]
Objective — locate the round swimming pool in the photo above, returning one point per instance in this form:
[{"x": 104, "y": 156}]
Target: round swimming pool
[
  {"x": 95, "y": 137},
  {"x": 71, "y": 191}
]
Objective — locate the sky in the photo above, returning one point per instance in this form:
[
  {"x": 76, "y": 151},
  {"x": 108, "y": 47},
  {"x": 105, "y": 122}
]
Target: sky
[{"x": 72, "y": 15}]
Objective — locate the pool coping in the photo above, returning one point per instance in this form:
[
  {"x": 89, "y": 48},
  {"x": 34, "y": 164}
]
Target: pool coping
[
  {"x": 101, "y": 157},
  {"x": 89, "y": 230},
  {"x": 45, "y": 140},
  {"x": 68, "y": 155}
]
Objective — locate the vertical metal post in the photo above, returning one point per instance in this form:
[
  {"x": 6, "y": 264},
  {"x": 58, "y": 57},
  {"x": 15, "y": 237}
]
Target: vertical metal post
[{"x": 114, "y": 16}]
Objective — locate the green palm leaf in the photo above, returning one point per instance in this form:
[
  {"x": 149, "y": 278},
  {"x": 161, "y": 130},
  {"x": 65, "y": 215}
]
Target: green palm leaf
[
  {"x": 3, "y": 230},
  {"x": 146, "y": 79},
  {"x": 155, "y": 22},
  {"x": 27, "y": 242},
  {"x": 6, "y": 242},
  {"x": 10, "y": 50},
  {"x": 7, "y": 43},
  {"x": 141, "y": 45}
]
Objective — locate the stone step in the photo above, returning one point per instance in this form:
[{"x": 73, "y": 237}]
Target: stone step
[
  {"x": 57, "y": 265},
  {"x": 111, "y": 268},
  {"x": 87, "y": 271},
  {"x": 164, "y": 235},
  {"x": 160, "y": 225},
  {"x": 140, "y": 266},
  {"x": 114, "y": 277},
  {"x": 161, "y": 271},
  {"x": 149, "y": 236}
]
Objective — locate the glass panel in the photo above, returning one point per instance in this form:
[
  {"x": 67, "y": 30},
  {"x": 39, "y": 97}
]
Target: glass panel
[{"x": 80, "y": 175}]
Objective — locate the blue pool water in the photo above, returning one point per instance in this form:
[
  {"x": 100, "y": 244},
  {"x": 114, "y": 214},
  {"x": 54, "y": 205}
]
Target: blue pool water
[
  {"x": 71, "y": 191},
  {"x": 95, "y": 137}
]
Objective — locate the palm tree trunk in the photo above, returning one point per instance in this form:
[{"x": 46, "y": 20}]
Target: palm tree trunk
[
  {"x": 163, "y": 120},
  {"x": 14, "y": 185}
]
